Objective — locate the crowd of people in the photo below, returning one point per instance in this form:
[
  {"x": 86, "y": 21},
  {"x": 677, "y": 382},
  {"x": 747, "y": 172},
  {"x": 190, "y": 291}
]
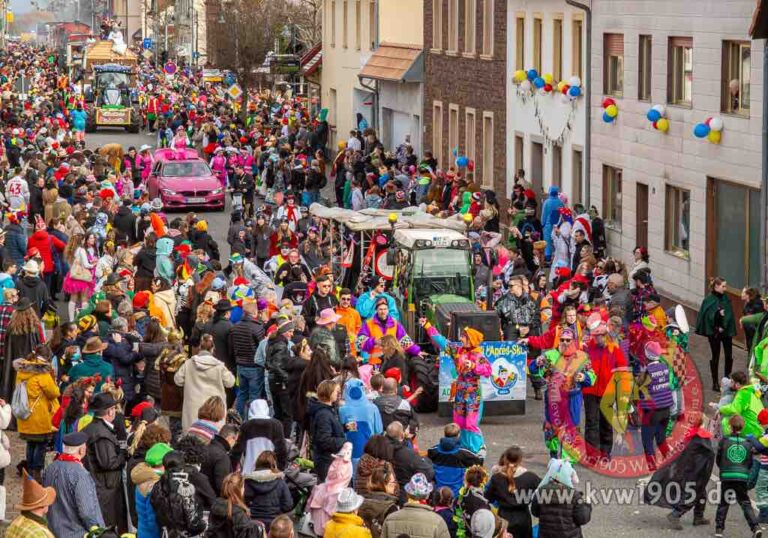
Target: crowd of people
[{"x": 195, "y": 394}]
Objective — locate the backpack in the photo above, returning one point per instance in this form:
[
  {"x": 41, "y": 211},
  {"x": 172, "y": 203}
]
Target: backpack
[
  {"x": 175, "y": 505},
  {"x": 20, "y": 402}
]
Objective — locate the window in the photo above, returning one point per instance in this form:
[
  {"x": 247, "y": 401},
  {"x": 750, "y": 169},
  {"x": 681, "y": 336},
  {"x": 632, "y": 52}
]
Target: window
[
  {"x": 437, "y": 24},
  {"x": 577, "y": 181},
  {"x": 519, "y": 152},
  {"x": 358, "y": 23},
  {"x": 613, "y": 64},
  {"x": 487, "y": 149},
  {"x": 344, "y": 23},
  {"x": 470, "y": 25},
  {"x": 332, "y": 15},
  {"x": 680, "y": 71},
  {"x": 372, "y": 23},
  {"x": 737, "y": 64},
  {"x": 437, "y": 132},
  {"x": 612, "y": 196},
  {"x": 470, "y": 133},
  {"x": 677, "y": 220},
  {"x": 488, "y": 27},
  {"x": 453, "y": 25},
  {"x": 453, "y": 128},
  {"x": 557, "y": 49},
  {"x": 537, "y": 44},
  {"x": 577, "y": 48},
  {"x": 557, "y": 165},
  {"x": 520, "y": 43},
  {"x": 644, "y": 68}
]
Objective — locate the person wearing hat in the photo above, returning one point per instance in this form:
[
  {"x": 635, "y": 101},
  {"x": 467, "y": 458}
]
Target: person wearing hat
[
  {"x": 561, "y": 509},
  {"x": 93, "y": 363},
  {"x": 31, "y": 286},
  {"x": 328, "y": 335},
  {"x": 613, "y": 383},
  {"x": 655, "y": 402},
  {"x": 35, "y": 503},
  {"x": 145, "y": 475},
  {"x": 278, "y": 356},
  {"x": 416, "y": 517},
  {"x": 345, "y": 522},
  {"x": 74, "y": 512},
  {"x": 106, "y": 460},
  {"x": 203, "y": 241},
  {"x": 219, "y": 328},
  {"x": 373, "y": 329}
]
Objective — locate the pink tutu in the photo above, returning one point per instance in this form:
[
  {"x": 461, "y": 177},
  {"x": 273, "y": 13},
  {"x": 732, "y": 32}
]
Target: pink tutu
[{"x": 74, "y": 287}]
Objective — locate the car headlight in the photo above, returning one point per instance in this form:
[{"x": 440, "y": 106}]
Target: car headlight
[
  {"x": 217, "y": 191},
  {"x": 169, "y": 192}
]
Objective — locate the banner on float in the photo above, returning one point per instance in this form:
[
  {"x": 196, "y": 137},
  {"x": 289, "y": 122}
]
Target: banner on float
[{"x": 508, "y": 372}]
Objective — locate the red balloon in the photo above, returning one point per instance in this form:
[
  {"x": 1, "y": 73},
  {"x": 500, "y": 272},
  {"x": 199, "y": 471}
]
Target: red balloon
[
  {"x": 547, "y": 87},
  {"x": 608, "y": 101},
  {"x": 706, "y": 121},
  {"x": 654, "y": 125},
  {"x": 471, "y": 166},
  {"x": 55, "y": 145},
  {"x": 565, "y": 89}
]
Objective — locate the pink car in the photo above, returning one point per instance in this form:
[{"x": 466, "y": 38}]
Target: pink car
[{"x": 181, "y": 179}]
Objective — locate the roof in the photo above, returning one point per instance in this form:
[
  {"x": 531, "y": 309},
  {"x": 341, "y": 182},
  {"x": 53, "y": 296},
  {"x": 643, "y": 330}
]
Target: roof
[
  {"x": 395, "y": 63},
  {"x": 759, "y": 27},
  {"x": 312, "y": 60},
  {"x": 101, "y": 52},
  {"x": 436, "y": 238},
  {"x": 378, "y": 219}
]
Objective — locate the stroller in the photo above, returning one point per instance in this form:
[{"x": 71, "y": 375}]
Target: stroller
[{"x": 299, "y": 478}]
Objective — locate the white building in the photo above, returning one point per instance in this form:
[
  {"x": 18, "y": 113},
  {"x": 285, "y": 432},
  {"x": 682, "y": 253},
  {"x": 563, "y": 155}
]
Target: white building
[
  {"x": 693, "y": 203},
  {"x": 546, "y": 132}
]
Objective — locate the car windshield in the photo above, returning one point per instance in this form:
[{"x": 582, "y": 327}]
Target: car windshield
[
  {"x": 186, "y": 169},
  {"x": 119, "y": 80},
  {"x": 442, "y": 270}
]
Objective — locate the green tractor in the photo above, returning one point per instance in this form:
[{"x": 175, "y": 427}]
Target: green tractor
[{"x": 113, "y": 102}]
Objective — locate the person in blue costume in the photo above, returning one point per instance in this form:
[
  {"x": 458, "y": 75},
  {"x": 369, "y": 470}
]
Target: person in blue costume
[
  {"x": 550, "y": 216},
  {"x": 366, "y": 303},
  {"x": 164, "y": 265},
  {"x": 360, "y": 417}
]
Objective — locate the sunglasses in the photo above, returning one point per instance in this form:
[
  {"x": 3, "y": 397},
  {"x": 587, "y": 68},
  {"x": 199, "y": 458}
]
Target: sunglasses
[{"x": 565, "y": 340}]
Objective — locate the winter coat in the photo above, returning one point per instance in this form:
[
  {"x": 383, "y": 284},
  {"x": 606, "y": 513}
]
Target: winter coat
[
  {"x": 407, "y": 463},
  {"x": 42, "y": 393},
  {"x": 169, "y": 362},
  {"x": 346, "y": 526},
  {"x": 358, "y": 409},
  {"x": 244, "y": 338},
  {"x": 105, "y": 461},
  {"x": 515, "y": 311},
  {"x": 16, "y": 346},
  {"x": 510, "y": 505},
  {"x": 145, "y": 478},
  {"x": 122, "y": 357},
  {"x": 375, "y": 509},
  {"x": 415, "y": 520},
  {"x": 558, "y": 519},
  {"x": 326, "y": 433},
  {"x": 34, "y": 289},
  {"x": 124, "y": 222},
  {"x": 240, "y": 525},
  {"x": 166, "y": 301},
  {"x": 217, "y": 464},
  {"x": 45, "y": 243},
  {"x": 150, "y": 351},
  {"x": 202, "y": 376},
  {"x": 450, "y": 462},
  {"x": 267, "y": 495},
  {"x": 257, "y": 434},
  {"x": 145, "y": 262},
  {"x": 15, "y": 244},
  {"x": 92, "y": 364},
  {"x": 278, "y": 354},
  {"x": 709, "y": 319},
  {"x": 220, "y": 328},
  {"x": 610, "y": 365}
]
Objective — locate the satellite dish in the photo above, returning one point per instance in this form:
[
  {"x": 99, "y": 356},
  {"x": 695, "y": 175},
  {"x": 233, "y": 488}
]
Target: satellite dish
[{"x": 682, "y": 319}]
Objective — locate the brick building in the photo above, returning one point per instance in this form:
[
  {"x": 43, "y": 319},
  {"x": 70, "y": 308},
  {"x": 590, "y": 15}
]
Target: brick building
[{"x": 465, "y": 81}]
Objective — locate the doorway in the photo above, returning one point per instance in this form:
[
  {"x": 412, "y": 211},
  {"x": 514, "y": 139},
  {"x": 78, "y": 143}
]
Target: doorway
[
  {"x": 641, "y": 212},
  {"x": 537, "y": 167}
]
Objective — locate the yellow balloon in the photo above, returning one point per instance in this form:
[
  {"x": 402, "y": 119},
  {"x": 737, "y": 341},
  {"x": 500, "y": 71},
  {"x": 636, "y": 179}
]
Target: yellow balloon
[
  {"x": 663, "y": 125},
  {"x": 560, "y": 85},
  {"x": 520, "y": 75},
  {"x": 714, "y": 136},
  {"x": 548, "y": 78},
  {"x": 612, "y": 111}
]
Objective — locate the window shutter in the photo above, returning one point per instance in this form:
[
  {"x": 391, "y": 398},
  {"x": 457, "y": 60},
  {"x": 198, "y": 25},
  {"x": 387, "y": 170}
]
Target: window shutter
[
  {"x": 613, "y": 44},
  {"x": 681, "y": 42}
]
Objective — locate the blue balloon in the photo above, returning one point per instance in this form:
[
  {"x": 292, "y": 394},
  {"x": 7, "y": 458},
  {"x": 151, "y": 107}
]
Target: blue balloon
[
  {"x": 653, "y": 115},
  {"x": 532, "y": 74},
  {"x": 539, "y": 82},
  {"x": 574, "y": 91},
  {"x": 462, "y": 162},
  {"x": 607, "y": 118},
  {"x": 701, "y": 130}
]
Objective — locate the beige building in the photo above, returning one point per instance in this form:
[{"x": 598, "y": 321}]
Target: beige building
[
  {"x": 349, "y": 38},
  {"x": 694, "y": 204}
]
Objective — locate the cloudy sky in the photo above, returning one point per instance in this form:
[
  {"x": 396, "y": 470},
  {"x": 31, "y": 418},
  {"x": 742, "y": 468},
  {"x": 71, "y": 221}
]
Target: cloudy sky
[{"x": 22, "y": 6}]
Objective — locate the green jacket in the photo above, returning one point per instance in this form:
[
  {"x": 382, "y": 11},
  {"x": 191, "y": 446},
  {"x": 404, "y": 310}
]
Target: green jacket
[
  {"x": 734, "y": 457},
  {"x": 753, "y": 321},
  {"x": 705, "y": 321},
  {"x": 92, "y": 364},
  {"x": 747, "y": 404},
  {"x": 761, "y": 358}
]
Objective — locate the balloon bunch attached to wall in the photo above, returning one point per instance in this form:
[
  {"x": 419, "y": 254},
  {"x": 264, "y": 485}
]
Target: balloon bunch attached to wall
[
  {"x": 711, "y": 129},
  {"x": 610, "y": 110},
  {"x": 529, "y": 80},
  {"x": 657, "y": 116}
]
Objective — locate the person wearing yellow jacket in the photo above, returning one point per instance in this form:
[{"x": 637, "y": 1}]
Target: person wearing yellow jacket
[
  {"x": 43, "y": 400},
  {"x": 345, "y": 523}
]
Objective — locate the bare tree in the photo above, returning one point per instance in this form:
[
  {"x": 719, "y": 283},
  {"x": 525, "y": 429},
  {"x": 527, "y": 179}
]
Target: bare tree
[{"x": 306, "y": 15}]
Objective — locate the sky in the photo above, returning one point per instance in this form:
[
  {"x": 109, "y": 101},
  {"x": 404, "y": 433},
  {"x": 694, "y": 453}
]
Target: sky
[{"x": 22, "y": 6}]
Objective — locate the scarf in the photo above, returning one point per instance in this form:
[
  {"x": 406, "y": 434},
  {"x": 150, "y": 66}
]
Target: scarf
[{"x": 69, "y": 458}]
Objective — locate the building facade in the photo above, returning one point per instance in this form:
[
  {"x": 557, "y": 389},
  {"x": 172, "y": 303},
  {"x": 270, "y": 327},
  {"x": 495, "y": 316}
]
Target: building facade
[
  {"x": 465, "y": 87},
  {"x": 693, "y": 203},
  {"x": 349, "y": 39},
  {"x": 546, "y": 131}
]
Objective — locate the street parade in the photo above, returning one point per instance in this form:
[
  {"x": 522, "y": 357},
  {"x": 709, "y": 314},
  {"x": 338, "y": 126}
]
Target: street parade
[{"x": 224, "y": 316}]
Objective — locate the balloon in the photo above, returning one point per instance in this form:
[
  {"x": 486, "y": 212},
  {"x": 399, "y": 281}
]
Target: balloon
[
  {"x": 547, "y": 87},
  {"x": 663, "y": 125},
  {"x": 660, "y": 109},
  {"x": 525, "y": 85},
  {"x": 462, "y": 162},
  {"x": 716, "y": 124},
  {"x": 574, "y": 81},
  {"x": 701, "y": 130},
  {"x": 560, "y": 85},
  {"x": 608, "y": 101},
  {"x": 714, "y": 136},
  {"x": 655, "y": 124},
  {"x": 471, "y": 166},
  {"x": 520, "y": 76},
  {"x": 574, "y": 91},
  {"x": 612, "y": 111},
  {"x": 565, "y": 89},
  {"x": 539, "y": 82},
  {"x": 607, "y": 118},
  {"x": 707, "y": 121},
  {"x": 532, "y": 74},
  {"x": 653, "y": 115},
  {"x": 548, "y": 78}
]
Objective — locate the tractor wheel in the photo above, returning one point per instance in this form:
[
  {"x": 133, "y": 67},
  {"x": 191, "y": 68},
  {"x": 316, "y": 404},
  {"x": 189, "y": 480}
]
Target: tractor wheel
[
  {"x": 135, "y": 125},
  {"x": 424, "y": 373},
  {"x": 90, "y": 122}
]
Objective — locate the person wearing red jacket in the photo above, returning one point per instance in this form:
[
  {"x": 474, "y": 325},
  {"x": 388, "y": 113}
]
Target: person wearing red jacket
[
  {"x": 44, "y": 243},
  {"x": 551, "y": 338},
  {"x": 613, "y": 384}
]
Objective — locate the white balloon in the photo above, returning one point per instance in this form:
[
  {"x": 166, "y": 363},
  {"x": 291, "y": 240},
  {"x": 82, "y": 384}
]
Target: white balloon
[
  {"x": 574, "y": 81},
  {"x": 525, "y": 85},
  {"x": 716, "y": 124},
  {"x": 660, "y": 109}
]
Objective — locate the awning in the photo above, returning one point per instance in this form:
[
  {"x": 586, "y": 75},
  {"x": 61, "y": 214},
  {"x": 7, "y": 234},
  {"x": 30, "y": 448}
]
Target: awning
[
  {"x": 395, "y": 63},
  {"x": 312, "y": 60}
]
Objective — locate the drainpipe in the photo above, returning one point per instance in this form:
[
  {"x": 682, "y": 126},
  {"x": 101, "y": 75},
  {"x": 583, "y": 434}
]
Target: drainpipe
[
  {"x": 764, "y": 186},
  {"x": 588, "y": 100}
]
